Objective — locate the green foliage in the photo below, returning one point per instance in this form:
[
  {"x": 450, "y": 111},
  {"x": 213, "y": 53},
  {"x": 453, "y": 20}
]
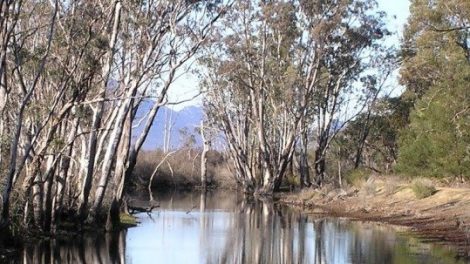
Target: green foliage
[
  {"x": 423, "y": 188},
  {"x": 292, "y": 180},
  {"x": 357, "y": 177},
  {"x": 437, "y": 140},
  {"x": 127, "y": 220},
  {"x": 431, "y": 32}
]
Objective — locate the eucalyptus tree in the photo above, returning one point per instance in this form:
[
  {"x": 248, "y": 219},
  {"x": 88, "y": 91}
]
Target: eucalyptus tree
[
  {"x": 28, "y": 52},
  {"x": 9, "y": 13},
  {"x": 352, "y": 53},
  {"x": 65, "y": 39},
  {"x": 72, "y": 77},
  {"x": 256, "y": 113},
  {"x": 165, "y": 35},
  {"x": 187, "y": 29},
  {"x": 280, "y": 64}
]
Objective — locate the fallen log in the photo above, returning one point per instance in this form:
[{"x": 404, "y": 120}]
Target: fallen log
[{"x": 139, "y": 209}]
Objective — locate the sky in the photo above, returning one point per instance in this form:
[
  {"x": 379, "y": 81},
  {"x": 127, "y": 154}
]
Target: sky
[
  {"x": 399, "y": 8},
  {"x": 186, "y": 86}
]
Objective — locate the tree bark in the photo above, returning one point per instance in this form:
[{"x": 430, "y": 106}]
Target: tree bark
[
  {"x": 205, "y": 149},
  {"x": 320, "y": 166},
  {"x": 304, "y": 168}
]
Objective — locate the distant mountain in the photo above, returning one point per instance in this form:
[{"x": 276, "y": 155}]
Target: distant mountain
[{"x": 181, "y": 125}]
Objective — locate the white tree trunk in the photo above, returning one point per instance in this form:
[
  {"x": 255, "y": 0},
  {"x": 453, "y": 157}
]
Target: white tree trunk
[{"x": 205, "y": 149}]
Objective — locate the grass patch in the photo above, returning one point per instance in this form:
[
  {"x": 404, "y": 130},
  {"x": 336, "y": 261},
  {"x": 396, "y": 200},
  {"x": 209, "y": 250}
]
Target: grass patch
[
  {"x": 291, "y": 180},
  {"x": 423, "y": 188},
  {"x": 357, "y": 177},
  {"x": 391, "y": 188},
  {"x": 127, "y": 220}
]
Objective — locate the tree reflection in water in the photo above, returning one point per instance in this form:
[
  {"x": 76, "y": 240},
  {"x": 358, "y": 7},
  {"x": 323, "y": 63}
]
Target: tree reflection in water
[
  {"x": 223, "y": 227},
  {"x": 103, "y": 248},
  {"x": 264, "y": 233}
]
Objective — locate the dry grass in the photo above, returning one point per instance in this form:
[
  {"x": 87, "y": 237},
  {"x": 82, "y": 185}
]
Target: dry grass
[
  {"x": 181, "y": 169},
  {"x": 308, "y": 194},
  {"x": 370, "y": 187}
]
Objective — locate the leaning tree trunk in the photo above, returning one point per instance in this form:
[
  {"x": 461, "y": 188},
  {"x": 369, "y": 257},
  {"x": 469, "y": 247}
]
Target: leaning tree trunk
[
  {"x": 98, "y": 114},
  {"x": 116, "y": 208},
  {"x": 111, "y": 150}
]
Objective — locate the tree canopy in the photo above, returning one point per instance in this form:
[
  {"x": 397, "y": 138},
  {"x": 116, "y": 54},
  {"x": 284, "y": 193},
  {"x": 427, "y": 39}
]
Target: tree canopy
[{"x": 436, "y": 72}]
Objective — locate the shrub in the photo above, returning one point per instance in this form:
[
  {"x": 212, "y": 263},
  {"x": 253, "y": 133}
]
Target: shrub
[
  {"x": 357, "y": 177},
  {"x": 437, "y": 143},
  {"x": 127, "y": 219},
  {"x": 292, "y": 180},
  {"x": 423, "y": 188}
]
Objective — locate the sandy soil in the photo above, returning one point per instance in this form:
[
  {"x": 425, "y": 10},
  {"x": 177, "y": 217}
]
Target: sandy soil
[{"x": 443, "y": 217}]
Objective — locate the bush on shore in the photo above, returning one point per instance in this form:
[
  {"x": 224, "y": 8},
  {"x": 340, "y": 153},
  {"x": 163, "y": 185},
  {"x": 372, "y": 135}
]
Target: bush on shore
[
  {"x": 357, "y": 177},
  {"x": 423, "y": 188}
]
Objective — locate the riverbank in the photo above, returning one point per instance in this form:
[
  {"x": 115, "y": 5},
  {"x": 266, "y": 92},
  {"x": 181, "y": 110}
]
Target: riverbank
[
  {"x": 67, "y": 229},
  {"x": 228, "y": 227},
  {"x": 442, "y": 217}
]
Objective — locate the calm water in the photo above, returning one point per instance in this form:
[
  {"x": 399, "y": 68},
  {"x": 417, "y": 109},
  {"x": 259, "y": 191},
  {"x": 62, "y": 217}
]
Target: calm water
[{"x": 225, "y": 228}]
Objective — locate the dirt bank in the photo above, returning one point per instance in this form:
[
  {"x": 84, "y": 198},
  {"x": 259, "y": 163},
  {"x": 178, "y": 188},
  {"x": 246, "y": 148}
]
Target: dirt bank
[{"x": 443, "y": 217}]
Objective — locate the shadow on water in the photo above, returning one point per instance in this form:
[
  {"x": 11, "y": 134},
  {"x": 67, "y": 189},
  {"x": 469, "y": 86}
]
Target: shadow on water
[{"x": 222, "y": 227}]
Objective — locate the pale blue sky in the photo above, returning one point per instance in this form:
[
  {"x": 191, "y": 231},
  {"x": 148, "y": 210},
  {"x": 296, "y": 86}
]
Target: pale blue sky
[
  {"x": 397, "y": 8},
  {"x": 398, "y": 11}
]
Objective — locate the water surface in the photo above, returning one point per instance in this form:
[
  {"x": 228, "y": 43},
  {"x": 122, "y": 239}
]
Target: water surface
[{"x": 223, "y": 227}]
